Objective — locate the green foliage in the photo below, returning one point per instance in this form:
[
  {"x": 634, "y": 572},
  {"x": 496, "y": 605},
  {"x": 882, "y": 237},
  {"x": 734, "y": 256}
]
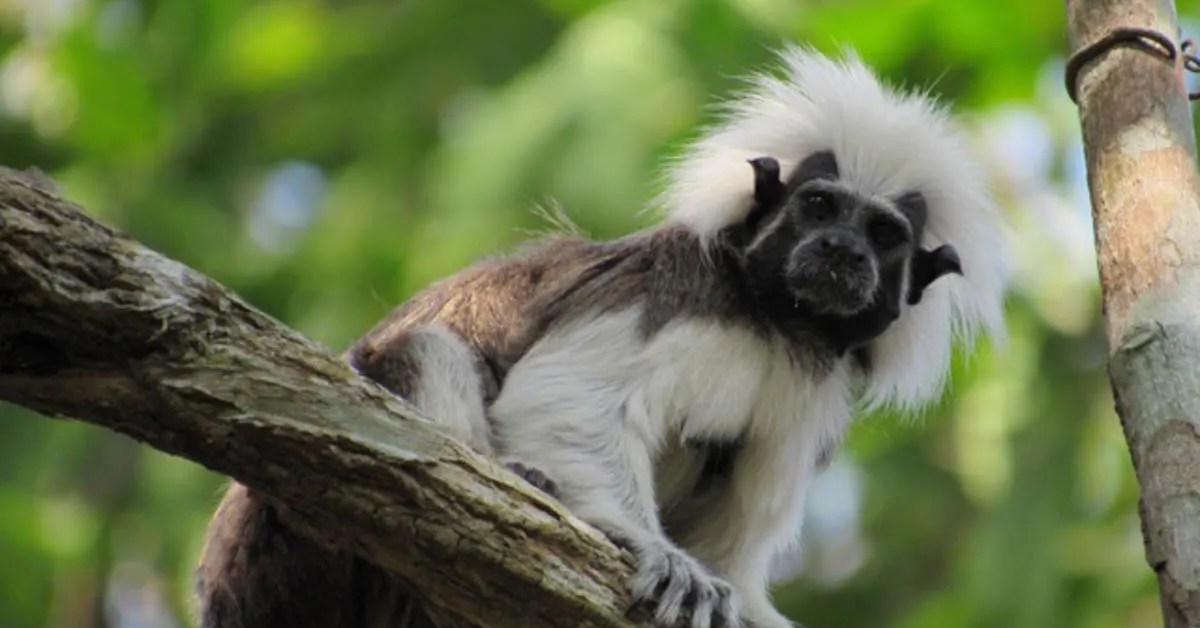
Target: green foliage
[{"x": 327, "y": 159}]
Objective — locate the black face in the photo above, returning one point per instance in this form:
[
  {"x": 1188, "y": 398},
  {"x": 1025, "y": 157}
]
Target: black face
[
  {"x": 814, "y": 249},
  {"x": 815, "y": 242}
]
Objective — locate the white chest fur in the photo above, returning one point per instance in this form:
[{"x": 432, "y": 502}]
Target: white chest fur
[
  {"x": 695, "y": 379},
  {"x": 607, "y": 413}
]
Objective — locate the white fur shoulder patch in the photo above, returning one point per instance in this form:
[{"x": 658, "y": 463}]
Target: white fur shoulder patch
[{"x": 887, "y": 143}]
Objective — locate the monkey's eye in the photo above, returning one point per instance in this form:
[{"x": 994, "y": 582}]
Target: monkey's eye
[
  {"x": 819, "y": 207},
  {"x": 887, "y": 234}
]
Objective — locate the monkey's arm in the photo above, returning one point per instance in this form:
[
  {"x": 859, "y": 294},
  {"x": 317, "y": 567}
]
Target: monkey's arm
[
  {"x": 573, "y": 407},
  {"x": 606, "y": 479},
  {"x": 749, "y": 516}
]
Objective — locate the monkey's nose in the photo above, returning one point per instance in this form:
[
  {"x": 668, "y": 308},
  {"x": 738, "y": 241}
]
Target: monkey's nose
[{"x": 842, "y": 248}]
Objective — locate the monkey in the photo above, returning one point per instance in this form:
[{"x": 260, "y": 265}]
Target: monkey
[{"x": 676, "y": 387}]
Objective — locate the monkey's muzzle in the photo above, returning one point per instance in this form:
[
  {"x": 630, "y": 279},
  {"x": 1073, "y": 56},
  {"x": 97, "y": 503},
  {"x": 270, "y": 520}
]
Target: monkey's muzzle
[{"x": 832, "y": 274}]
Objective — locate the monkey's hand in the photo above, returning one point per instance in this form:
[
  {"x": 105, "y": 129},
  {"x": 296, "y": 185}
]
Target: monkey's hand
[{"x": 681, "y": 591}]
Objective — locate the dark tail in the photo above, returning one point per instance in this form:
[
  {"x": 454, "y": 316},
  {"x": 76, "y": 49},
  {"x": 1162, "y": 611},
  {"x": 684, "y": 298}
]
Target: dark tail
[{"x": 257, "y": 573}]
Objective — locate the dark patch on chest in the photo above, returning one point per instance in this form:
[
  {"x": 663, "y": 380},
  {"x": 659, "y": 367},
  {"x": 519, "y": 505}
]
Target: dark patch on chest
[{"x": 720, "y": 456}]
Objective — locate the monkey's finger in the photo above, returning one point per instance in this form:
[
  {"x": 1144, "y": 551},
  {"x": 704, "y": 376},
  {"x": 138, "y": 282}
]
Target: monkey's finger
[
  {"x": 651, "y": 574},
  {"x": 702, "y": 606},
  {"x": 727, "y": 614},
  {"x": 679, "y": 583}
]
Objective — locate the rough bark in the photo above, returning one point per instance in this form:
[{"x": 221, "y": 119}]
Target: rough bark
[
  {"x": 1140, "y": 146},
  {"x": 96, "y": 327}
]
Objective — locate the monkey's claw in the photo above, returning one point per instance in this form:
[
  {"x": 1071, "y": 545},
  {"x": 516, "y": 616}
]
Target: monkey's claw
[
  {"x": 535, "y": 477},
  {"x": 680, "y": 591}
]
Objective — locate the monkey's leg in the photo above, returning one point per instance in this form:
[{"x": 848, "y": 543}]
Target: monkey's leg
[{"x": 434, "y": 369}]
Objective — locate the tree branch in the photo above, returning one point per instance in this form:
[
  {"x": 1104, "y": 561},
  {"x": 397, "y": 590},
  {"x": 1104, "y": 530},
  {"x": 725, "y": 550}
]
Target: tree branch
[
  {"x": 1139, "y": 140},
  {"x": 96, "y": 327}
]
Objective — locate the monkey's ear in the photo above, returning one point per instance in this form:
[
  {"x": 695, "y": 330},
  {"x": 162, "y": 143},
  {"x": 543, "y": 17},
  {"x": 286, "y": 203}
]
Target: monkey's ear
[
  {"x": 768, "y": 188},
  {"x": 927, "y": 266},
  {"x": 768, "y": 191}
]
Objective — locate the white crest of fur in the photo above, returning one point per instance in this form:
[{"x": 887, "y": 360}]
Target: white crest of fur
[{"x": 887, "y": 143}]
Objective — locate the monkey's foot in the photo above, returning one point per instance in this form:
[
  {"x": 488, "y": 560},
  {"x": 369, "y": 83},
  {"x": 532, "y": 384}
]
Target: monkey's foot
[
  {"x": 680, "y": 591},
  {"x": 535, "y": 477}
]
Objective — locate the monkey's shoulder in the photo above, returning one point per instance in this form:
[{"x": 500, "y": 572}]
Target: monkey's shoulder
[{"x": 500, "y": 304}]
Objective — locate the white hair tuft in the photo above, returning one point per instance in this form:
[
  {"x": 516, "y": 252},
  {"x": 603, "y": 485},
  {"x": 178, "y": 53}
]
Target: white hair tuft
[{"x": 887, "y": 143}]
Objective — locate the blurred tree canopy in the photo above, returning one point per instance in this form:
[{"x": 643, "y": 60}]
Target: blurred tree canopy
[{"x": 326, "y": 159}]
